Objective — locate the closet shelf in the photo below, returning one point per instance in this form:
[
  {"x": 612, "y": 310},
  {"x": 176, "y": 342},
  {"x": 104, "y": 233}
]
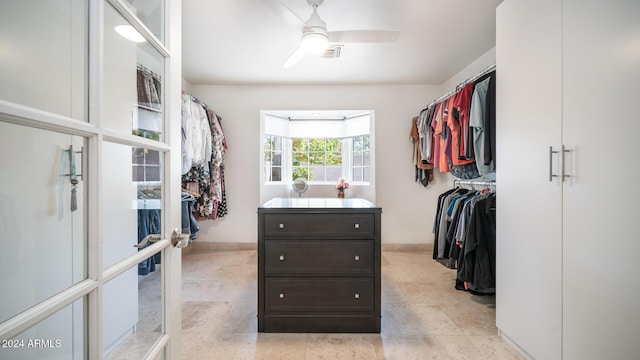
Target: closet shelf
[{"x": 149, "y": 108}]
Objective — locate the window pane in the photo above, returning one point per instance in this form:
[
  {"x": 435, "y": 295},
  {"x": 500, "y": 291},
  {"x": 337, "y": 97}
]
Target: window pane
[
  {"x": 277, "y": 143},
  {"x": 317, "y": 173},
  {"x": 42, "y": 241},
  {"x": 132, "y": 314},
  {"x": 152, "y": 157},
  {"x": 138, "y": 155},
  {"x": 367, "y": 159},
  {"x": 300, "y": 158},
  {"x": 43, "y": 55},
  {"x": 277, "y": 158},
  {"x": 357, "y": 143},
  {"x": 334, "y": 158},
  {"x": 316, "y": 158},
  {"x": 334, "y": 145},
  {"x": 334, "y": 173},
  {"x": 357, "y": 159},
  {"x": 268, "y": 157},
  {"x": 151, "y": 13},
  {"x": 133, "y": 209},
  {"x": 300, "y": 145},
  {"x": 300, "y": 172},
  {"x": 60, "y": 336},
  {"x": 138, "y": 173},
  {"x": 365, "y": 176},
  {"x": 357, "y": 174},
  {"x": 317, "y": 145},
  {"x": 133, "y": 86},
  {"x": 367, "y": 142},
  {"x": 276, "y": 174}
]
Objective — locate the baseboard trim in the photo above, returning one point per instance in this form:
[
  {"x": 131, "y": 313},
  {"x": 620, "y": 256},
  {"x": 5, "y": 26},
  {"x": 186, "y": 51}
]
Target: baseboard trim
[
  {"x": 227, "y": 246},
  {"x": 407, "y": 247},
  {"x": 236, "y": 246}
]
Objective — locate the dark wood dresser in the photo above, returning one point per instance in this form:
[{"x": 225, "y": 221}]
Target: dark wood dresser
[{"x": 319, "y": 265}]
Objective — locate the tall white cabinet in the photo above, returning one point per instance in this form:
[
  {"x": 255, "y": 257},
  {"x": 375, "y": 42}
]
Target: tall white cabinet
[{"x": 567, "y": 248}]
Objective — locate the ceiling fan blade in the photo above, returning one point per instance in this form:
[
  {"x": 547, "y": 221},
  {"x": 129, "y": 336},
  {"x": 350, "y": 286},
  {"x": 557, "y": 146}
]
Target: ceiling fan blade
[
  {"x": 294, "y": 58},
  {"x": 285, "y": 13},
  {"x": 364, "y": 36}
]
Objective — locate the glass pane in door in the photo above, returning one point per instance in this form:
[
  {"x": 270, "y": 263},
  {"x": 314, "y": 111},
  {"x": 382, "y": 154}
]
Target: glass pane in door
[
  {"x": 42, "y": 239},
  {"x": 151, "y": 13},
  {"x": 133, "y": 82},
  {"x": 43, "y": 55},
  {"x": 132, "y": 205},
  {"x": 60, "y": 336},
  {"x": 132, "y": 314}
]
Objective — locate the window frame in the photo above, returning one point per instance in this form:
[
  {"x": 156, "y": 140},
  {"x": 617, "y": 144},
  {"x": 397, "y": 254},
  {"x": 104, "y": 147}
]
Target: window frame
[{"x": 287, "y": 161}]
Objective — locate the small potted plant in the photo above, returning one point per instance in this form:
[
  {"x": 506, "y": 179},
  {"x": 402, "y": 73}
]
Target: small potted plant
[{"x": 341, "y": 186}]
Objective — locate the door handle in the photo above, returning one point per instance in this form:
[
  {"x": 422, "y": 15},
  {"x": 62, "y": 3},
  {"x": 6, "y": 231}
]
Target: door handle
[
  {"x": 177, "y": 239},
  {"x": 563, "y": 172},
  {"x": 551, "y": 152},
  {"x": 563, "y": 175}
]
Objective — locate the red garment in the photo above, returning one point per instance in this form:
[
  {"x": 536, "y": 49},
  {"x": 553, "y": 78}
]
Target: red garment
[
  {"x": 463, "y": 105},
  {"x": 461, "y": 98}
]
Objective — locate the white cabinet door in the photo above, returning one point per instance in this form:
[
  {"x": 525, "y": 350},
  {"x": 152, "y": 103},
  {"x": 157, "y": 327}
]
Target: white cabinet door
[
  {"x": 529, "y": 244},
  {"x": 601, "y": 91}
]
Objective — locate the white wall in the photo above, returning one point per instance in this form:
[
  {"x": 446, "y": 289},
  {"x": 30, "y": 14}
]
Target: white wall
[{"x": 408, "y": 208}]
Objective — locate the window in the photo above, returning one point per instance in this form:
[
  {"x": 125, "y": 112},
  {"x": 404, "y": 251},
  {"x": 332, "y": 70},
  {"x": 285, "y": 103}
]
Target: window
[
  {"x": 272, "y": 158},
  {"x": 361, "y": 159},
  {"x": 146, "y": 165},
  {"x": 317, "y": 160}
]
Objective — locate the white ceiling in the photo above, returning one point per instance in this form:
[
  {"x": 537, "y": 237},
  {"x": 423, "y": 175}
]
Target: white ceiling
[{"x": 246, "y": 41}]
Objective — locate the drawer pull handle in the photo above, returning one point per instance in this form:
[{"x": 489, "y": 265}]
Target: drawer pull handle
[
  {"x": 357, "y": 258},
  {"x": 281, "y": 226},
  {"x": 356, "y": 295},
  {"x": 357, "y": 226},
  {"x": 281, "y": 257},
  {"x": 281, "y": 295}
]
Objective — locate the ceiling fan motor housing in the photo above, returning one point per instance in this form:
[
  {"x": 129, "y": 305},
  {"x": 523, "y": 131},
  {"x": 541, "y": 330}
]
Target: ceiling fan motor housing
[{"x": 314, "y": 35}]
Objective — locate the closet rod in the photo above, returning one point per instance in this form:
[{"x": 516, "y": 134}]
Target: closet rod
[
  {"x": 472, "y": 182},
  {"x": 483, "y": 72},
  {"x": 194, "y": 98}
]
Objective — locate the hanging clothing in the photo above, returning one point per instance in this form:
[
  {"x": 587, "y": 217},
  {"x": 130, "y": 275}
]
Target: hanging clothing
[
  {"x": 203, "y": 149},
  {"x": 149, "y": 222},
  {"x": 478, "y": 265},
  {"x": 465, "y": 237},
  {"x": 457, "y": 134},
  {"x": 476, "y": 122},
  {"x": 490, "y": 124},
  {"x": 196, "y": 134},
  {"x": 422, "y": 144}
]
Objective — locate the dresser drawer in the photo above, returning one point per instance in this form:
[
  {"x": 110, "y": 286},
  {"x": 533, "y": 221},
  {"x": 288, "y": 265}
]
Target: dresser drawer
[
  {"x": 319, "y": 294},
  {"x": 319, "y": 225},
  {"x": 319, "y": 257}
]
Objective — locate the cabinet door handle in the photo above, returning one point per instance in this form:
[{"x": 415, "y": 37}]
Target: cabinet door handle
[
  {"x": 356, "y": 296},
  {"x": 282, "y": 295},
  {"x": 281, "y": 257},
  {"x": 357, "y": 226},
  {"x": 357, "y": 258},
  {"x": 563, "y": 174},
  {"x": 281, "y": 226},
  {"x": 551, "y": 152}
]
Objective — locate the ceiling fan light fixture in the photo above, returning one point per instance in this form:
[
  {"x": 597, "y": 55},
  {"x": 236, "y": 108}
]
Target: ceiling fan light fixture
[
  {"x": 314, "y": 42},
  {"x": 129, "y": 33}
]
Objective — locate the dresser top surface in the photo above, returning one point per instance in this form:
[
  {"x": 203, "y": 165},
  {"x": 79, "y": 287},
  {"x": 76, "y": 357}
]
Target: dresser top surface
[{"x": 318, "y": 203}]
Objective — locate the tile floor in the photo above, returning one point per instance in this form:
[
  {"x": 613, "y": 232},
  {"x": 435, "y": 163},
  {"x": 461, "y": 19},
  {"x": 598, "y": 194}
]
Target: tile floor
[{"x": 423, "y": 316}]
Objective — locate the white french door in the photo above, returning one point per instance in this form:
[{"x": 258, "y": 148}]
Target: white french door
[{"x": 89, "y": 166}]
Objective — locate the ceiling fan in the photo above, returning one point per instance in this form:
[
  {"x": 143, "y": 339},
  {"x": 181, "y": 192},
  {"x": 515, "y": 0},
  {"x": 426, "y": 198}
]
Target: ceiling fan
[{"x": 315, "y": 37}]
